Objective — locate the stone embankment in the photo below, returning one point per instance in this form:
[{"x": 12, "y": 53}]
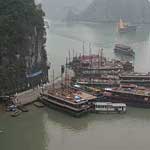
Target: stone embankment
[{"x": 29, "y": 96}]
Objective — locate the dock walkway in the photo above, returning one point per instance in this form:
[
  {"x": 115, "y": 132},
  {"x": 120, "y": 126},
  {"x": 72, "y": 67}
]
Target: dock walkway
[{"x": 29, "y": 96}]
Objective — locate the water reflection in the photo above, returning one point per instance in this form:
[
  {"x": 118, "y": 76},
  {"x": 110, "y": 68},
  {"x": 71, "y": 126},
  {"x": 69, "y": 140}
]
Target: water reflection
[
  {"x": 66, "y": 121},
  {"x": 23, "y": 132}
]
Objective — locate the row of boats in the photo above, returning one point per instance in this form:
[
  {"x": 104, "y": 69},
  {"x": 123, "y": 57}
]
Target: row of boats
[
  {"x": 98, "y": 85},
  {"x": 78, "y": 100}
]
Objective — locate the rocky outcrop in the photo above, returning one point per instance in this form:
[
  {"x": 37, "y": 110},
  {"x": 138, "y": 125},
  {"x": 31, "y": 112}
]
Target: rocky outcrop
[{"x": 23, "y": 61}]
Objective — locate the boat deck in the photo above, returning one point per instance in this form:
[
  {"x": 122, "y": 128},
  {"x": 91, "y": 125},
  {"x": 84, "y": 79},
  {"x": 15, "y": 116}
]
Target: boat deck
[
  {"x": 138, "y": 92},
  {"x": 70, "y": 94}
]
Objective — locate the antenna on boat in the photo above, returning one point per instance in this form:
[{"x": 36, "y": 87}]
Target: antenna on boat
[
  {"x": 62, "y": 72},
  {"x": 66, "y": 78},
  {"x": 76, "y": 55},
  {"x": 73, "y": 53},
  {"x": 83, "y": 49},
  {"x": 53, "y": 84},
  {"x": 90, "y": 57},
  {"x": 102, "y": 56},
  {"x": 69, "y": 57},
  {"x": 99, "y": 59}
]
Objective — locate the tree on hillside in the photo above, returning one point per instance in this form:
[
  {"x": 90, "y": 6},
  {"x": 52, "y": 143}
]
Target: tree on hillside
[{"x": 22, "y": 38}]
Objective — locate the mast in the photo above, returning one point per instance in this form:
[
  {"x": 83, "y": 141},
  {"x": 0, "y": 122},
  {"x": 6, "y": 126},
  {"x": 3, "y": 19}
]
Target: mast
[
  {"x": 99, "y": 59},
  {"x": 69, "y": 57},
  {"x": 66, "y": 76},
  {"x": 62, "y": 72},
  {"x": 53, "y": 84},
  {"x": 90, "y": 57},
  {"x": 101, "y": 56},
  {"x": 73, "y": 54},
  {"x": 83, "y": 49}
]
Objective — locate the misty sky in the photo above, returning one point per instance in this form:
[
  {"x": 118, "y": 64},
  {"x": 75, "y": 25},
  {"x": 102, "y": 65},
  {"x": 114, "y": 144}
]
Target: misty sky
[{"x": 57, "y": 9}]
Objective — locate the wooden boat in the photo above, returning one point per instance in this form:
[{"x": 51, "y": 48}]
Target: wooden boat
[
  {"x": 103, "y": 83},
  {"x": 125, "y": 28},
  {"x": 16, "y": 113},
  {"x": 135, "y": 78},
  {"x": 131, "y": 95},
  {"x": 95, "y": 66},
  {"x": 38, "y": 104},
  {"x": 23, "y": 108},
  {"x": 109, "y": 107},
  {"x": 76, "y": 103},
  {"x": 123, "y": 49}
]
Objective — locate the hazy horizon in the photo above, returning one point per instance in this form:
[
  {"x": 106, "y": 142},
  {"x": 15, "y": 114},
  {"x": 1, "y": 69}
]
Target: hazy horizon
[{"x": 57, "y": 10}]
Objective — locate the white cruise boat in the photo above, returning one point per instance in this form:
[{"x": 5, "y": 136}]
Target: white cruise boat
[{"x": 109, "y": 107}]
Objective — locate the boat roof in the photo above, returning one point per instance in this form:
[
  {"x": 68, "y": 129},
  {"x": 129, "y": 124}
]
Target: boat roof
[
  {"x": 137, "y": 91},
  {"x": 136, "y": 75},
  {"x": 123, "y": 46},
  {"x": 110, "y": 103}
]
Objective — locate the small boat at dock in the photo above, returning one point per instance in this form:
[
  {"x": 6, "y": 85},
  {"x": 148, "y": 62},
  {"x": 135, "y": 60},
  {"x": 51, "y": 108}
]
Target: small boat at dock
[
  {"x": 109, "y": 107},
  {"x": 23, "y": 108},
  {"x": 39, "y": 104},
  {"x": 16, "y": 113}
]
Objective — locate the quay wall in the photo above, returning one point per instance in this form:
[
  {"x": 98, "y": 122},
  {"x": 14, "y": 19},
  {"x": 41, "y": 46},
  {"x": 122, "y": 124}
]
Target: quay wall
[{"x": 27, "y": 97}]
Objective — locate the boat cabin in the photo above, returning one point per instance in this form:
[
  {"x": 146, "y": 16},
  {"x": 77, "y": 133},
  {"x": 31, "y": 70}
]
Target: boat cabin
[{"x": 110, "y": 107}]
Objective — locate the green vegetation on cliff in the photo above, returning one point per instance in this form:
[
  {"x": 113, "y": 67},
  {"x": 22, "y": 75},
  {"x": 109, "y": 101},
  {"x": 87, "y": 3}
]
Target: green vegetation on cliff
[{"x": 22, "y": 39}]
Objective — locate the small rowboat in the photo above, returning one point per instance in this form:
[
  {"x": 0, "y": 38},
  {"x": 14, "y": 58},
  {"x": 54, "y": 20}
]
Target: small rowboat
[{"x": 16, "y": 113}]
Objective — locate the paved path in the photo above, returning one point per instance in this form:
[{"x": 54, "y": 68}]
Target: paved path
[
  {"x": 27, "y": 96},
  {"x": 31, "y": 95}
]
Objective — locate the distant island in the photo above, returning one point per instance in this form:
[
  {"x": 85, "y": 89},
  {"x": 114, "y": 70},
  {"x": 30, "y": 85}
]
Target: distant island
[
  {"x": 23, "y": 58},
  {"x": 133, "y": 11}
]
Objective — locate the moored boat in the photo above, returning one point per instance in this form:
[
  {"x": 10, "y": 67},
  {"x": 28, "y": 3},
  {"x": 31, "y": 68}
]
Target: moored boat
[
  {"x": 38, "y": 104},
  {"x": 123, "y": 49},
  {"x": 131, "y": 95},
  {"x": 125, "y": 28},
  {"x": 23, "y": 108},
  {"x": 139, "y": 79},
  {"x": 97, "y": 65},
  {"x": 72, "y": 101},
  {"x": 16, "y": 113},
  {"x": 109, "y": 107}
]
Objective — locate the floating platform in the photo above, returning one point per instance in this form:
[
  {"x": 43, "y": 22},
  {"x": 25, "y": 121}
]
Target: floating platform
[{"x": 76, "y": 103}]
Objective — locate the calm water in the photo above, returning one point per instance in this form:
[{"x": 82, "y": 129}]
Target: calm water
[{"x": 46, "y": 129}]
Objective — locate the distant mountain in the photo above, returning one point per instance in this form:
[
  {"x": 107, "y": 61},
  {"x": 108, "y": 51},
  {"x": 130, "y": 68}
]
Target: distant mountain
[
  {"x": 58, "y": 9},
  {"x": 134, "y": 11}
]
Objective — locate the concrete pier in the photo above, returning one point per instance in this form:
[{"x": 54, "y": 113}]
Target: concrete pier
[{"x": 27, "y": 97}]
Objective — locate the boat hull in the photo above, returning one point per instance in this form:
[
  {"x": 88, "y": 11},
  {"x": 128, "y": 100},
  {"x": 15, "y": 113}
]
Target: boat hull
[
  {"x": 128, "y": 102},
  {"x": 51, "y": 103},
  {"x": 127, "y": 29},
  {"x": 139, "y": 83},
  {"x": 119, "y": 51}
]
